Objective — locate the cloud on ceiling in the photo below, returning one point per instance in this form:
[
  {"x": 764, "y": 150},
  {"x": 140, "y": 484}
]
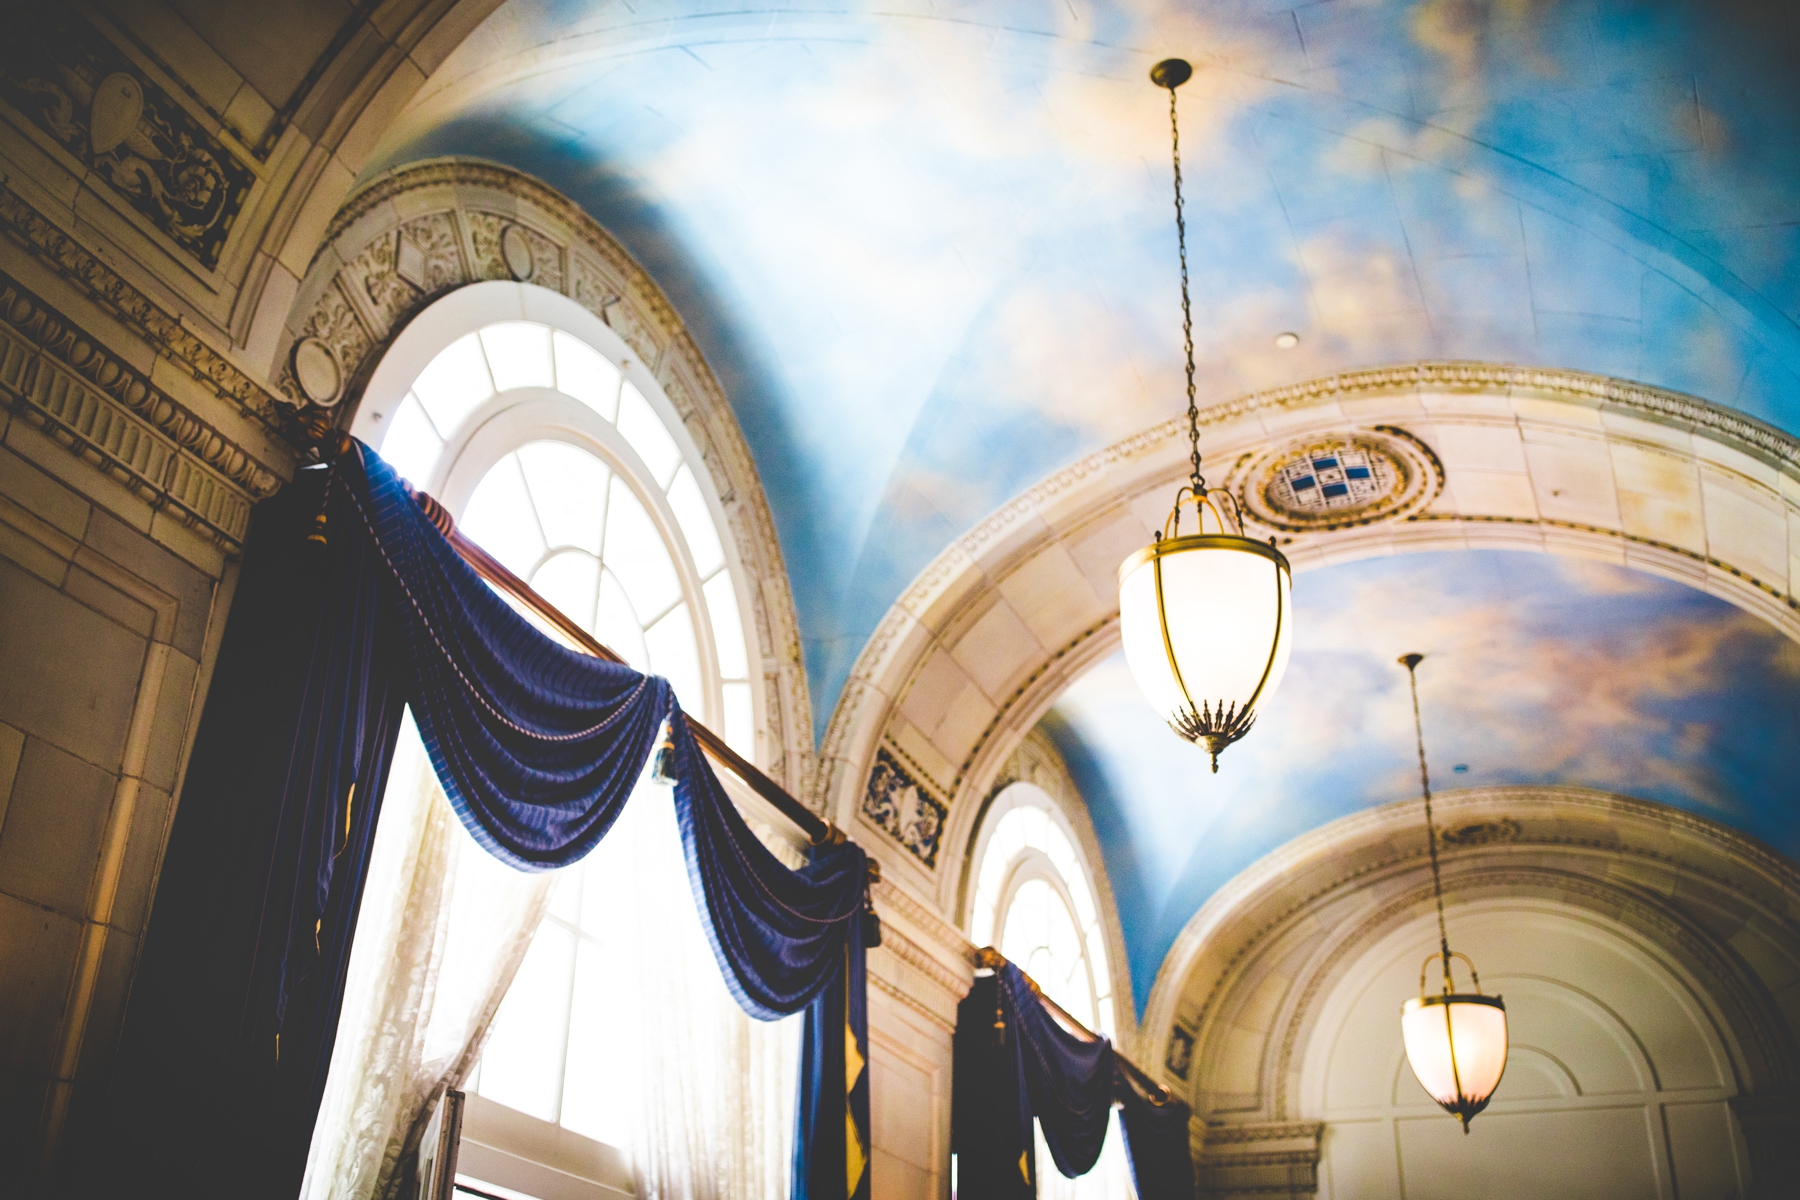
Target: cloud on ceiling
[{"x": 1538, "y": 670}]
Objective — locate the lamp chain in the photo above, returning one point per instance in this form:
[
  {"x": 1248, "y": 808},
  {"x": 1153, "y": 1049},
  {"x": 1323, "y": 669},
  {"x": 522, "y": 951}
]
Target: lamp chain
[
  {"x": 1187, "y": 316},
  {"x": 1437, "y": 884}
]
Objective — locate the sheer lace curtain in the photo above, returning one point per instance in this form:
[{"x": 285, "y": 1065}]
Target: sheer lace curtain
[
  {"x": 443, "y": 928},
  {"x": 716, "y": 1119},
  {"x": 1109, "y": 1180},
  {"x": 709, "y": 1110}
]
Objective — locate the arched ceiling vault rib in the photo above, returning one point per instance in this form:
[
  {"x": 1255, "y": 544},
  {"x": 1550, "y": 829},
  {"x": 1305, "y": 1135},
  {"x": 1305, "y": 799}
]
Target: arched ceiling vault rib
[{"x": 987, "y": 637}]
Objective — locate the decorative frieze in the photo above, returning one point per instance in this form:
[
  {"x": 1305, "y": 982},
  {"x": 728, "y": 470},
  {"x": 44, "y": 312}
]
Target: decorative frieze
[
  {"x": 424, "y": 230},
  {"x": 122, "y": 130},
  {"x": 58, "y": 379},
  {"x": 903, "y": 809},
  {"x": 508, "y": 249},
  {"x": 1260, "y": 1160},
  {"x": 161, "y": 329}
]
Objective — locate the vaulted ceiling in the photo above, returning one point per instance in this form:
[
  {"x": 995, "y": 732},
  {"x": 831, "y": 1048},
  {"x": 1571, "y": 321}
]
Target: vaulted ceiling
[
  {"x": 1539, "y": 670},
  {"x": 929, "y": 246},
  {"x": 929, "y": 250}
]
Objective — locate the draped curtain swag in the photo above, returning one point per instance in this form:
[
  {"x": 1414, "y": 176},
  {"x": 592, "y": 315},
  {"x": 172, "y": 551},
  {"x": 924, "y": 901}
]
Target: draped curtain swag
[
  {"x": 537, "y": 746},
  {"x": 1014, "y": 1062}
]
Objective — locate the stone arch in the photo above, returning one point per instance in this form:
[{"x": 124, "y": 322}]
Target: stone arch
[
  {"x": 419, "y": 233},
  {"x": 1250, "y": 976},
  {"x": 1037, "y": 766},
  {"x": 990, "y": 634}
]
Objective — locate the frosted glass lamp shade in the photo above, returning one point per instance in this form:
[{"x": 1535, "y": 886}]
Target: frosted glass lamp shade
[
  {"x": 1456, "y": 1045},
  {"x": 1207, "y": 621}
]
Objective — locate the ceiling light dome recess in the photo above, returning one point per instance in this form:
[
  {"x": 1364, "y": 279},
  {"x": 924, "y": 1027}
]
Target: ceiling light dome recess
[
  {"x": 1206, "y": 619},
  {"x": 1455, "y": 1041}
]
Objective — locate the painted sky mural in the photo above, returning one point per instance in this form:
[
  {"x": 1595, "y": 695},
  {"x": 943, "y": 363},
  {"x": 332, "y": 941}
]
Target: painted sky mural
[
  {"x": 929, "y": 249},
  {"x": 1539, "y": 670}
]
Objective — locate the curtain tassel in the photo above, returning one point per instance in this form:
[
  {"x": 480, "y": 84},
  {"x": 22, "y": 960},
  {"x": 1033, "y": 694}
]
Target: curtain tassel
[
  {"x": 662, "y": 759},
  {"x": 871, "y": 922}
]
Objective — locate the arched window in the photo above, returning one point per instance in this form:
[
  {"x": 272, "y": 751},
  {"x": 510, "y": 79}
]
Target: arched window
[
  {"x": 1036, "y": 903},
  {"x": 558, "y": 454}
]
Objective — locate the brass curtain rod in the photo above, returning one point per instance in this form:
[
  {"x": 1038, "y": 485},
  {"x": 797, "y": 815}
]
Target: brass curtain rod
[
  {"x": 991, "y": 959},
  {"x": 819, "y": 830}
]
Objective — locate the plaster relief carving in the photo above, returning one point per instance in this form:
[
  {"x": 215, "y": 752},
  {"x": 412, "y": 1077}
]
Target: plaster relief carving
[
  {"x": 1181, "y": 1052},
  {"x": 589, "y": 286},
  {"x": 903, "y": 809},
  {"x": 100, "y": 410},
  {"x": 431, "y": 253},
  {"x": 466, "y": 222},
  {"x": 389, "y": 291},
  {"x": 1338, "y": 480},
  {"x": 160, "y": 328},
  {"x": 515, "y": 249},
  {"x": 503, "y": 248},
  {"x": 117, "y": 109},
  {"x": 618, "y": 314},
  {"x": 337, "y": 338},
  {"x": 317, "y": 372},
  {"x": 65, "y": 78}
]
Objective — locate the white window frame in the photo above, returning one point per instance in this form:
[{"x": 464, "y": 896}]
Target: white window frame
[
  {"x": 510, "y": 419},
  {"x": 1028, "y": 863},
  {"x": 510, "y": 1152}
]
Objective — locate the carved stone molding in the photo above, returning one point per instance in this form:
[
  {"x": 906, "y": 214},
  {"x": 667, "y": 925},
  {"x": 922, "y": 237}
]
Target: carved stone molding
[
  {"x": 1652, "y": 451},
  {"x": 892, "y": 900},
  {"x": 1255, "y": 967},
  {"x": 112, "y": 122},
  {"x": 1272, "y": 1159},
  {"x": 163, "y": 330},
  {"x": 919, "y": 959},
  {"x": 57, "y": 378},
  {"x": 417, "y": 233}
]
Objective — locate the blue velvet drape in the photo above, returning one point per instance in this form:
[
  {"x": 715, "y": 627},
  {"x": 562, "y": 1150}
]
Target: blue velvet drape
[
  {"x": 227, "y": 1038},
  {"x": 1156, "y": 1141},
  {"x": 1014, "y": 1062},
  {"x": 538, "y": 748},
  {"x": 990, "y": 1109}
]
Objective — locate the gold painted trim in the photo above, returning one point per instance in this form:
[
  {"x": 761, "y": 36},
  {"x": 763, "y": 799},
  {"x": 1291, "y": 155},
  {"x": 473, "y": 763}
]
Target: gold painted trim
[
  {"x": 1280, "y": 627},
  {"x": 1203, "y": 541},
  {"x": 1418, "y": 1002},
  {"x": 1162, "y": 620}
]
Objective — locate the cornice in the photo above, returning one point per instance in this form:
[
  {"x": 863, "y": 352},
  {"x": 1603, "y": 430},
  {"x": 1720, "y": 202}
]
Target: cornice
[
  {"x": 893, "y": 898},
  {"x": 912, "y": 1002},
  {"x": 162, "y": 329},
  {"x": 57, "y": 378},
  {"x": 921, "y": 960}
]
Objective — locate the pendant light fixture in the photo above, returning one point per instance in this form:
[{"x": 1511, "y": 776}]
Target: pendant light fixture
[
  {"x": 1206, "y": 619},
  {"x": 1455, "y": 1041}
]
